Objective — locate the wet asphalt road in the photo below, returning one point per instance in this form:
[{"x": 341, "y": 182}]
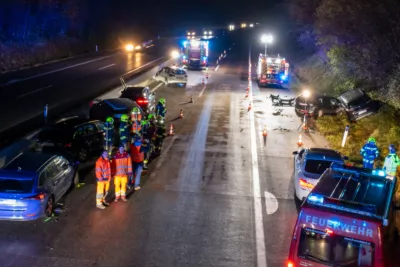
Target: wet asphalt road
[{"x": 196, "y": 207}]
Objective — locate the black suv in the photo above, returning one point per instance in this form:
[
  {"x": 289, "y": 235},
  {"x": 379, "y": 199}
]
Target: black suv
[
  {"x": 317, "y": 105},
  {"x": 142, "y": 96},
  {"x": 80, "y": 137},
  {"x": 358, "y": 104}
]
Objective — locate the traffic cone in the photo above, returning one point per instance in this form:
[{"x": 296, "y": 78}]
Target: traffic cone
[
  {"x": 191, "y": 99},
  {"x": 300, "y": 141},
  {"x": 249, "y": 108},
  {"x": 247, "y": 94},
  {"x": 202, "y": 81},
  {"x": 265, "y": 131},
  {"x": 181, "y": 114},
  {"x": 171, "y": 130},
  {"x": 248, "y": 89},
  {"x": 207, "y": 75}
]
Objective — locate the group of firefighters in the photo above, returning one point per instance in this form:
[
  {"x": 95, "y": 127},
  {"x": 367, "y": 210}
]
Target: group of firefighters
[
  {"x": 139, "y": 138},
  {"x": 370, "y": 152}
]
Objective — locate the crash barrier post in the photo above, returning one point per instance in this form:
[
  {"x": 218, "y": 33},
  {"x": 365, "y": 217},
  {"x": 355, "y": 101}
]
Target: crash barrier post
[
  {"x": 46, "y": 113},
  {"x": 171, "y": 130},
  {"x": 345, "y": 134}
]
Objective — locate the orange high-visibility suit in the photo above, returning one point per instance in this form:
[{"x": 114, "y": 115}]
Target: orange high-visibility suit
[
  {"x": 103, "y": 176},
  {"x": 122, "y": 168}
]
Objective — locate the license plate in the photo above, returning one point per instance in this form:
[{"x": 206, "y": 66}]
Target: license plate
[
  {"x": 179, "y": 77},
  {"x": 362, "y": 111},
  {"x": 8, "y": 201}
]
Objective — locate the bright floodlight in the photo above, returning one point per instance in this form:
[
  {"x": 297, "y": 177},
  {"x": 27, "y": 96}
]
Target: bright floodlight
[
  {"x": 266, "y": 39},
  {"x": 210, "y": 32},
  {"x": 175, "y": 54},
  {"x": 251, "y": 25},
  {"x": 205, "y": 33},
  {"x": 129, "y": 47},
  {"x": 306, "y": 93}
]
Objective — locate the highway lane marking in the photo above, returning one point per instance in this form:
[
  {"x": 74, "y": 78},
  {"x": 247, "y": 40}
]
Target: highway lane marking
[
  {"x": 271, "y": 203},
  {"x": 105, "y": 67},
  {"x": 35, "y": 91},
  {"x": 143, "y": 65},
  {"x": 155, "y": 88},
  {"x": 216, "y": 68},
  {"x": 258, "y": 212},
  {"x": 54, "y": 71}
]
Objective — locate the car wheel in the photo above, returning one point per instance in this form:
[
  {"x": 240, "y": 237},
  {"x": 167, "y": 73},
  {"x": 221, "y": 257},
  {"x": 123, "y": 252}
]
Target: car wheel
[
  {"x": 184, "y": 85},
  {"x": 49, "y": 206},
  {"x": 83, "y": 155}
]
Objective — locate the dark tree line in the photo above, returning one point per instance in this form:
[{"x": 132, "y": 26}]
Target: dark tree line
[{"x": 358, "y": 42}]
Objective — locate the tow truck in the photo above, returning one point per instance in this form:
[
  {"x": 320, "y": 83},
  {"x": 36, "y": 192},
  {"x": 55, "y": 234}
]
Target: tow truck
[
  {"x": 345, "y": 220},
  {"x": 195, "y": 54},
  {"x": 272, "y": 70}
]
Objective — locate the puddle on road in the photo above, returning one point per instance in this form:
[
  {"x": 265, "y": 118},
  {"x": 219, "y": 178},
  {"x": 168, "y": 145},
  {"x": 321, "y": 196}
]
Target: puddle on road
[
  {"x": 259, "y": 112},
  {"x": 282, "y": 129}
]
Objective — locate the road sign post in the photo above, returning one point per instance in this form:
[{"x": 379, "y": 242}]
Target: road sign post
[{"x": 346, "y": 133}]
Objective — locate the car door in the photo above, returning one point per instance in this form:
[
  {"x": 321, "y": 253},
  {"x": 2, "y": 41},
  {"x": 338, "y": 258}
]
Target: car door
[
  {"x": 100, "y": 133},
  {"x": 54, "y": 179},
  {"x": 160, "y": 75},
  {"x": 67, "y": 173},
  {"x": 91, "y": 137}
]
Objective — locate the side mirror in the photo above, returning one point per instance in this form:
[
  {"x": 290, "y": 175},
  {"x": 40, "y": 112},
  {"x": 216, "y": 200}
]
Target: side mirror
[
  {"x": 295, "y": 152},
  {"x": 345, "y": 157}
]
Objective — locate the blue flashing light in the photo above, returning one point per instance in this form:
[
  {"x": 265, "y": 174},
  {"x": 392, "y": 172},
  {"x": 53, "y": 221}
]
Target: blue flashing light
[
  {"x": 184, "y": 43},
  {"x": 283, "y": 77},
  {"x": 184, "y": 57},
  {"x": 316, "y": 198},
  {"x": 204, "y": 58},
  {"x": 364, "y": 224},
  {"x": 381, "y": 173}
]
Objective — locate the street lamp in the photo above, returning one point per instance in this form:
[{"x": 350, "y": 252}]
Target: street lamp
[{"x": 266, "y": 39}]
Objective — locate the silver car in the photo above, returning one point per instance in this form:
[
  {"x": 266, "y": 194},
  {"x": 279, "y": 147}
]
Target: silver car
[{"x": 172, "y": 75}]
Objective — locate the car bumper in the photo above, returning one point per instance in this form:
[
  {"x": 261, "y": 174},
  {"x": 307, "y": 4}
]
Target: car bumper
[
  {"x": 177, "y": 81},
  {"x": 32, "y": 211}
]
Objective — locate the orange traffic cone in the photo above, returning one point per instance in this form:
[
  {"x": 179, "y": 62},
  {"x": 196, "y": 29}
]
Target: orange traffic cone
[
  {"x": 171, "y": 130},
  {"x": 249, "y": 78},
  {"x": 248, "y": 88},
  {"x": 207, "y": 75},
  {"x": 247, "y": 94},
  {"x": 265, "y": 131},
  {"x": 202, "y": 82},
  {"x": 249, "y": 108},
  {"x": 191, "y": 99},
  {"x": 181, "y": 114},
  {"x": 300, "y": 141}
]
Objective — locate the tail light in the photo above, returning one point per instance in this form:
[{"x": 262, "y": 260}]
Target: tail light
[
  {"x": 91, "y": 104},
  {"x": 142, "y": 101},
  {"x": 40, "y": 196},
  {"x": 68, "y": 145},
  {"x": 304, "y": 183},
  {"x": 290, "y": 264}
]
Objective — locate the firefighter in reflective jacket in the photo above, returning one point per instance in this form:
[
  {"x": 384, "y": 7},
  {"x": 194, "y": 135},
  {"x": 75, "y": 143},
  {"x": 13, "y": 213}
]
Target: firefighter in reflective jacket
[
  {"x": 392, "y": 161},
  {"x": 160, "y": 135},
  {"x": 103, "y": 176},
  {"x": 124, "y": 131},
  {"x": 369, "y": 152},
  {"x": 122, "y": 169},
  {"x": 161, "y": 110},
  {"x": 136, "y": 118},
  {"x": 109, "y": 134}
]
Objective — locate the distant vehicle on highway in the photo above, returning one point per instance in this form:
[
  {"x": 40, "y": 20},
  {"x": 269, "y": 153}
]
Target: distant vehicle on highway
[
  {"x": 358, "y": 104},
  {"x": 317, "y": 105},
  {"x": 309, "y": 164},
  {"x": 81, "y": 137},
  {"x": 32, "y": 184},
  {"x": 141, "y": 95},
  {"x": 172, "y": 75},
  {"x": 113, "y": 107}
]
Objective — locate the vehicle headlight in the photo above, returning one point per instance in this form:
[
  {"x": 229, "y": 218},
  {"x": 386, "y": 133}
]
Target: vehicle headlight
[
  {"x": 129, "y": 47},
  {"x": 138, "y": 47}
]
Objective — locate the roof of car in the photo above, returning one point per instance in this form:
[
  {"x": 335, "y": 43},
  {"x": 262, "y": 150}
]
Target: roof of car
[
  {"x": 119, "y": 103},
  {"x": 351, "y": 95},
  {"x": 28, "y": 162},
  {"x": 324, "y": 153},
  {"x": 132, "y": 87},
  {"x": 71, "y": 122}
]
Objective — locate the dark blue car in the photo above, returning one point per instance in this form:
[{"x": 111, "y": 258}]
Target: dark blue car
[{"x": 32, "y": 183}]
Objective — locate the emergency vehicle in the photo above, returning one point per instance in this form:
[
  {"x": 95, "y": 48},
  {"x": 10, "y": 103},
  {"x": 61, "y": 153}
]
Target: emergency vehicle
[
  {"x": 195, "y": 54},
  {"x": 344, "y": 220},
  {"x": 272, "y": 70}
]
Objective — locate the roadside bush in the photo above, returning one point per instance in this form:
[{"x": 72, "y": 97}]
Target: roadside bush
[{"x": 383, "y": 126}]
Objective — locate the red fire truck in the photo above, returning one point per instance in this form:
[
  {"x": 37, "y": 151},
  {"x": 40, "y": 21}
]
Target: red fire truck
[
  {"x": 195, "y": 54},
  {"x": 272, "y": 70},
  {"x": 346, "y": 220}
]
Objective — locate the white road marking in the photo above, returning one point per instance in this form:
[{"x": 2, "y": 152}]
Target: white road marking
[
  {"x": 54, "y": 71},
  {"x": 164, "y": 155},
  {"x": 155, "y": 88},
  {"x": 271, "y": 203},
  {"x": 202, "y": 91},
  {"x": 105, "y": 67},
  {"x": 258, "y": 214},
  {"x": 143, "y": 66},
  {"x": 35, "y": 91},
  {"x": 216, "y": 68}
]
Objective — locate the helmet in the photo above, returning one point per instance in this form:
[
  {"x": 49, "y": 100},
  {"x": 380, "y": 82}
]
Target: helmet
[
  {"x": 371, "y": 140},
  {"x": 136, "y": 110},
  {"x": 150, "y": 117},
  {"x": 124, "y": 118},
  {"x": 110, "y": 120},
  {"x": 392, "y": 149},
  {"x": 162, "y": 100}
]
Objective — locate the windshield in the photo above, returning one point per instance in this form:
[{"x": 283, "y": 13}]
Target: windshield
[
  {"x": 317, "y": 166},
  {"x": 359, "y": 101},
  {"x": 16, "y": 186},
  {"x": 179, "y": 71},
  {"x": 335, "y": 250}
]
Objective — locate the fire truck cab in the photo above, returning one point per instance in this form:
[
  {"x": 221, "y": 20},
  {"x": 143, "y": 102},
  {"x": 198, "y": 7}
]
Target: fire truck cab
[
  {"x": 195, "y": 54},
  {"x": 272, "y": 70},
  {"x": 345, "y": 220}
]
